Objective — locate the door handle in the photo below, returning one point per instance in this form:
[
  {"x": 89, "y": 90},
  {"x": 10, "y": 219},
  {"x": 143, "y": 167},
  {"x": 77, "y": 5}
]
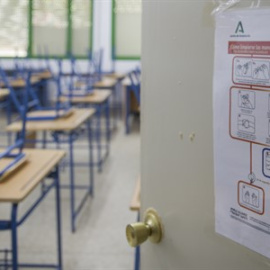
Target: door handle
[{"x": 151, "y": 228}]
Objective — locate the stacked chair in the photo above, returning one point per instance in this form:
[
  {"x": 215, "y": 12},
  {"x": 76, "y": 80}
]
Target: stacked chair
[
  {"x": 15, "y": 152},
  {"x": 133, "y": 96}
]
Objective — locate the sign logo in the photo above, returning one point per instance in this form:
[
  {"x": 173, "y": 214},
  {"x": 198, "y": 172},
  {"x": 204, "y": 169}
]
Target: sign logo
[
  {"x": 240, "y": 32},
  {"x": 239, "y": 28}
]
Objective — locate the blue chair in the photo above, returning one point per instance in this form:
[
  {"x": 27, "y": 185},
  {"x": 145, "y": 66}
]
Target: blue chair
[
  {"x": 15, "y": 151},
  {"x": 47, "y": 60},
  {"x": 76, "y": 85},
  {"x": 22, "y": 66},
  {"x": 135, "y": 84},
  {"x": 134, "y": 88},
  {"x": 33, "y": 103},
  {"x": 95, "y": 61}
]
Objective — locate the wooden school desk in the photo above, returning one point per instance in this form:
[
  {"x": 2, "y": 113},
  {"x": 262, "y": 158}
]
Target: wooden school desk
[
  {"x": 66, "y": 130},
  {"x": 18, "y": 186},
  {"x": 116, "y": 76},
  {"x": 20, "y": 83},
  {"x": 3, "y": 93},
  {"x": 43, "y": 75},
  {"x": 135, "y": 205},
  {"x": 100, "y": 101}
]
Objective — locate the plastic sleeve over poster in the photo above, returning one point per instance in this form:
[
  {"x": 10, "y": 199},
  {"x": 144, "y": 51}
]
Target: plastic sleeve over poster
[{"x": 242, "y": 127}]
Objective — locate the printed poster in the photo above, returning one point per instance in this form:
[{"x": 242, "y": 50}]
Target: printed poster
[{"x": 242, "y": 127}]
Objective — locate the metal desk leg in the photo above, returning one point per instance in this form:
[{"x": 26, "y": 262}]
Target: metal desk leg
[
  {"x": 58, "y": 218},
  {"x": 72, "y": 186},
  {"x": 14, "y": 239},
  {"x": 114, "y": 96},
  {"x": 91, "y": 165},
  {"x": 108, "y": 130},
  {"x": 9, "y": 118},
  {"x": 98, "y": 137},
  {"x": 127, "y": 110},
  {"x": 119, "y": 90},
  {"x": 44, "y": 139}
]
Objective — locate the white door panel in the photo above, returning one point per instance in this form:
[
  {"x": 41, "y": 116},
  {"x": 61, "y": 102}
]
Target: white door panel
[{"x": 177, "y": 174}]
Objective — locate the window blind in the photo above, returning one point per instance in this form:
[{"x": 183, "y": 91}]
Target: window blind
[
  {"x": 81, "y": 26},
  {"x": 50, "y": 26},
  {"x": 127, "y": 28},
  {"x": 13, "y": 28}
]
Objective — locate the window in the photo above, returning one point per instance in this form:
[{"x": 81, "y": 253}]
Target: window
[
  {"x": 49, "y": 27},
  {"x": 13, "y": 28},
  {"x": 126, "y": 29},
  {"x": 46, "y": 27},
  {"x": 82, "y": 15}
]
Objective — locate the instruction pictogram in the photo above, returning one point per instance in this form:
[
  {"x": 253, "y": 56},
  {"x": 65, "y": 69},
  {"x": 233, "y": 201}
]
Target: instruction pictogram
[
  {"x": 248, "y": 121},
  {"x": 246, "y": 99},
  {"x": 253, "y": 71},
  {"x": 251, "y": 197}
]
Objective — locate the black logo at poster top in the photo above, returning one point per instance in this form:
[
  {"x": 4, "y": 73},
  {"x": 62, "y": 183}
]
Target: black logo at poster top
[{"x": 239, "y": 30}]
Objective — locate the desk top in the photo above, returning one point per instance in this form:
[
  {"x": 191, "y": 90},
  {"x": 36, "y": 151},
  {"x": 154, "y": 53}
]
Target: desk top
[
  {"x": 43, "y": 75},
  {"x": 96, "y": 97},
  {"x": 69, "y": 123},
  {"x": 18, "y": 185},
  {"x": 20, "y": 83},
  {"x": 116, "y": 76},
  {"x": 3, "y": 93},
  {"x": 49, "y": 113},
  {"x": 105, "y": 83},
  {"x": 126, "y": 81},
  {"x": 135, "y": 204}
]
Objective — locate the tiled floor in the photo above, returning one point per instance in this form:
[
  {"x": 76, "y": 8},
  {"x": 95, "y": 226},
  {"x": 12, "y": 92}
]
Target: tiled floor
[{"x": 99, "y": 242}]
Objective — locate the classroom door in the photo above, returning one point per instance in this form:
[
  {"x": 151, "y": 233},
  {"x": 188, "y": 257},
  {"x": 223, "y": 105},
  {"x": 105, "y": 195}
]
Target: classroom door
[{"x": 177, "y": 140}]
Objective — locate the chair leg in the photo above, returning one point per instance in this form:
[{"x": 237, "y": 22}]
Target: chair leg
[
  {"x": 58, "y": 219},
  {"x": 14, "y": 239}
]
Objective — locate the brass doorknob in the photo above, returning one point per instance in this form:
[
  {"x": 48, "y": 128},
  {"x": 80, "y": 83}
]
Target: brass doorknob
[{"x": 151, "y": 228}]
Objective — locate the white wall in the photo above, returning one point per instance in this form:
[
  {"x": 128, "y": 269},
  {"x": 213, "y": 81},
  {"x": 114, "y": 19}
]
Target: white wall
[{"x": 102, "y": 35}]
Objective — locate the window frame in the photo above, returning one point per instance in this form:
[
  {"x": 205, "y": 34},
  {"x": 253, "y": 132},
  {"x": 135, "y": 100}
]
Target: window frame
[{"x": 113, "y": 39}]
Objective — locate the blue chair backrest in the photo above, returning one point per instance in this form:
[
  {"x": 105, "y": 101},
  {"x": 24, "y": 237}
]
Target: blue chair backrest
[
  {"x": 18, "y": 66},
  {"x": 77, "y": 76},
  {"x": 47, "y": 58},
  {"x": 32, "y": 100},
  {"x": 15, "y": 151},
  {"x": 97, "y": 61},
  {"x": 60, "y": 83},
  {"x": 100, "y": 61},
  {"x": 24, "y": 111},
  {"x": 76, "y": 73},
  {"x": 74, "y": 66},
  {"x": 135, "y": 85},
  {"x": 90, "y": 64}
]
